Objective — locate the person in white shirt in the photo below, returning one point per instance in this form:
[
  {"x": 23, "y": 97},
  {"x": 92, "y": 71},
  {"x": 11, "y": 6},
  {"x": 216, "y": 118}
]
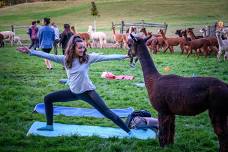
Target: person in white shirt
[{"x": 55, "y": 44}]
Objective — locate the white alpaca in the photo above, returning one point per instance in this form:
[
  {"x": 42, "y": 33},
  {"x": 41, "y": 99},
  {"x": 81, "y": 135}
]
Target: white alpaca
[
  {"x": 97, "y": 36},
  {"x": 223, "y": 46},
  {"x": 204, "y": 32},
  {"x": 225, "y": 31},
  {"x": 8, "y": 35},
  {"x": 17, "y": 40}
]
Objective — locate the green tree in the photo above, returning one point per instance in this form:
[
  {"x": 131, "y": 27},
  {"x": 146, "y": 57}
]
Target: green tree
[{"x": 94, "y": 13}]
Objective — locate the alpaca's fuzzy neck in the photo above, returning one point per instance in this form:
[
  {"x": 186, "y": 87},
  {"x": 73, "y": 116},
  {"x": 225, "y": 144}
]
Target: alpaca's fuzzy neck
[
  {"x": 192, "y": 35},
  {"x": 163, "y": 35},
  {"x": 186, "y": 39},
  {"x": 219, "y": 40},
  {"x": 113, "y": 31},
  {"x": 148, "y": 67}
]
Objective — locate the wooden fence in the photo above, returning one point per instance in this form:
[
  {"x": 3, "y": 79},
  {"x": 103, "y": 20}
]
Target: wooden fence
[
  {"x": 125, "y": 25},
  {"x": 212, "y": 28}
]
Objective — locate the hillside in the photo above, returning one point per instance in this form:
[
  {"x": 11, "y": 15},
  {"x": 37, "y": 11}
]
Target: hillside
[{"x": 176, "y": 13}]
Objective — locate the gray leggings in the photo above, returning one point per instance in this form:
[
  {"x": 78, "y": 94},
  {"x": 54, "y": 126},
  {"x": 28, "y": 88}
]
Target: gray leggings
[{"x": 89, "y": 96}]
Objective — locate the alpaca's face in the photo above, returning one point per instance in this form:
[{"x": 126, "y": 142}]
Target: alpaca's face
[
  {"x": 178, "y": 32},
  {"x": 218, "y": 33},
  {"x": 133, "y": 44},
  {"x": 132, "y": 48}
]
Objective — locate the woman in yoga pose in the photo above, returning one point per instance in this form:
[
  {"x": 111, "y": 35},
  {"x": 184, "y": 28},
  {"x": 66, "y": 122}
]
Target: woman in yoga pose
[{"x": 76, "y": 62}]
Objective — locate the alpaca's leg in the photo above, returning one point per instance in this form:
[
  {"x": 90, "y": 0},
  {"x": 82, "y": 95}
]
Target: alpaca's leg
[
  {"x": 101, "y": 43},
  {"x": 166, "y": 47},
  {"x": 182, "y": 48},
  {"x": 189, "y": 51},
  {"x": 158, "y": 47},
  {"x": 226, "y": 55},
  {"x": 11, "y": 41},
  {"x": 205, "y": 50},
  {"x": 220, "y": 125},
  {"x": 89, "y": 44},
  {"x": 197, "y": 52},
  {"x": 172, "y": 129},
  {"x": 219, "y": 54},
  {"x": 166, "y": 129},
  {"x": 171, "y": 49},
  {"x": 154, "y": 49},
  {"x": 136, "y": 59}
]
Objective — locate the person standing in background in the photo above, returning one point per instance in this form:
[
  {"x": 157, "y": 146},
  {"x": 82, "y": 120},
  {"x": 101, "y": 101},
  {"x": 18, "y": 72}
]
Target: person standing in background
[
  {"x": 46, "y": 37},
  {"x": 38, "y": 24},
  {"x": 33, "y": 32},
  {"x": 65, "y": 37},
  {"x": 56, "y": 30}
]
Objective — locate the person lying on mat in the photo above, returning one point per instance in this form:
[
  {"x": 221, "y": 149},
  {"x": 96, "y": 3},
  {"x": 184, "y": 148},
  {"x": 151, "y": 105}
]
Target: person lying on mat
[{"x": 76, "y": 63}]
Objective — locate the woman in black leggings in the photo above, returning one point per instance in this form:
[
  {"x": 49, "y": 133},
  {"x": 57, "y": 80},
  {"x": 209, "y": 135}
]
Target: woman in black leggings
[{"x": 76, "y": 62}]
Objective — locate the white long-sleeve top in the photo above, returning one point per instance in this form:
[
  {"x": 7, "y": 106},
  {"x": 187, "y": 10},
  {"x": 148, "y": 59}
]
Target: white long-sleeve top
[{"x": 78, "y": 78}]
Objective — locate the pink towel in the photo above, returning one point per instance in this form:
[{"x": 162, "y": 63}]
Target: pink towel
[{"x": 110, "y": 76}]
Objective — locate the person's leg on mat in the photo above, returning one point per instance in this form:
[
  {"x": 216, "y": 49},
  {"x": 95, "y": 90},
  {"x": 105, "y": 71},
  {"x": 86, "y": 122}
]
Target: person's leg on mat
[
  {"x": 97, "y": 102},
  {"x": 58, "y": 96}
]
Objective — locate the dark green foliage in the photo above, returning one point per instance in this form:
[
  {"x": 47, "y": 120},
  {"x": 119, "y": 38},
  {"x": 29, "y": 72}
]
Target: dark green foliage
[{"x": 94, "y": 11}]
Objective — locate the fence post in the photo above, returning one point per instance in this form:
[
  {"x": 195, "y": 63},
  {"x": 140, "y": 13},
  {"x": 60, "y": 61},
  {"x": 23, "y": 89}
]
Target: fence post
[
  {"x": 122, "y": 27},
  {"x": 12, "y": 28},
  {"x": 143, "y": 23},
  {"x": 166, "y": 25},
  {"x": 121, "y": 31}
]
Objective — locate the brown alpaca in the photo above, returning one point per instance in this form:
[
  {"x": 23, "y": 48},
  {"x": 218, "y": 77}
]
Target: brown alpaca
[
  {"x": 182, "y": 41},
  {"x": 196, "y": 44},
  {"x": 143, "y": 30},
  {"x": 170, "y": 42},
  {"x": 212, "y": 40},
  {"x": 119, "y": 38},
  {"x": 174, "y": 95},
  {"x": 192, "y": 35},
  {"x": 84, "y": 36},
  {"x": 152, "y": 43}
]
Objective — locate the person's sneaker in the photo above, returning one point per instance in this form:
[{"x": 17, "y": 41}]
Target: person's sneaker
[
  {"x": 132, "y": 65},
  {"x": 46, "y": 128}
]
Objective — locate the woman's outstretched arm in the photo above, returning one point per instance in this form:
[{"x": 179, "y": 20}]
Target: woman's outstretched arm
[
  {"x": 98, "y": 58},
  {"x": 55, "y": 58}
]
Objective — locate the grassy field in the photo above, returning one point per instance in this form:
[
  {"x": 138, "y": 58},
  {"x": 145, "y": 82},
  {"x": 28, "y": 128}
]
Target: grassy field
[{"x": 25, "y": 80}]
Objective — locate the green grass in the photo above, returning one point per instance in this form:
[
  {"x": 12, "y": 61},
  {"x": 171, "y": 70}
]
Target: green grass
[{"x": 25, "y": 81}]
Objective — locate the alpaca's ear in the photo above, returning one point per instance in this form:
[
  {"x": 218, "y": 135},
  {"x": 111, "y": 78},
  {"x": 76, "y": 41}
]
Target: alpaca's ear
[
  {"x": 147, "y": 38},
  {"x": 134, "y": 38}
]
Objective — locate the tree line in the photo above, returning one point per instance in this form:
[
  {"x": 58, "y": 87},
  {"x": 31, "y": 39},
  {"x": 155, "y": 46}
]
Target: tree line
[{"x": 4, "y": 3}]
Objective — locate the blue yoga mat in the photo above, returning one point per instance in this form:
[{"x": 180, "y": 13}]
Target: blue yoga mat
[
  {"x": 63, "y": 81},
  {"x": 81, "y": 112},
  {"x": 83, "y": 130},
  {"x": 140, "y": 84}
]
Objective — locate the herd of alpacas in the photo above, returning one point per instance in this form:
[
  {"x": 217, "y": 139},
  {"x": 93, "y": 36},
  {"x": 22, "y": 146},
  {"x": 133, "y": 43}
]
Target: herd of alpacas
[{"x": 188, "y": 42}]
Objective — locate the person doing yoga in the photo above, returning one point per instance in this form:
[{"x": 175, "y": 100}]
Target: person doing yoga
[{"x": 76, "y": 62}]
